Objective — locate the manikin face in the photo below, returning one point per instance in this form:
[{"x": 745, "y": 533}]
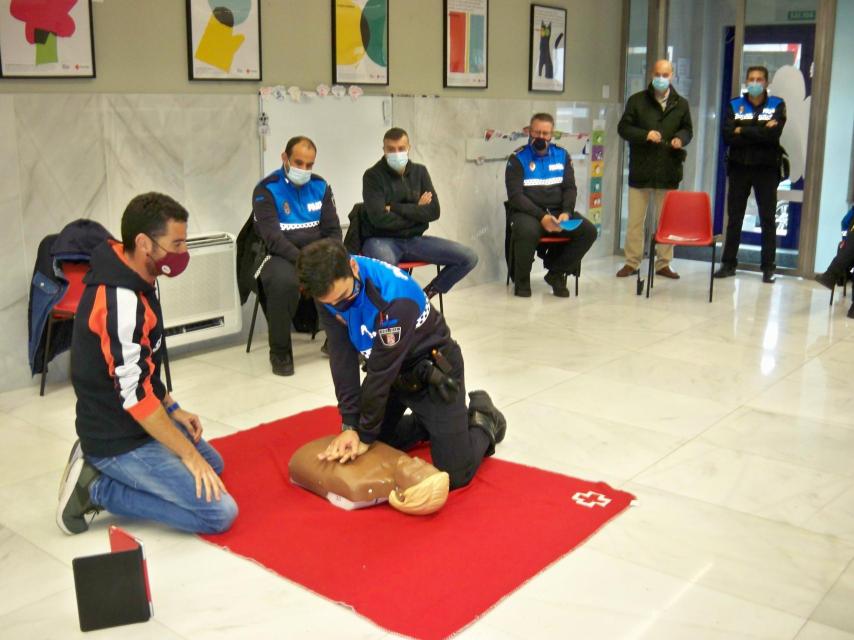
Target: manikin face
[{"x": 411, "y": 471}]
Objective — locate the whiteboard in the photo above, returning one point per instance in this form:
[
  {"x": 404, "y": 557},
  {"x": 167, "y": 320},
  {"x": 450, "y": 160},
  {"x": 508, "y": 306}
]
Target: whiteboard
[{"x": 348, "y": 134}]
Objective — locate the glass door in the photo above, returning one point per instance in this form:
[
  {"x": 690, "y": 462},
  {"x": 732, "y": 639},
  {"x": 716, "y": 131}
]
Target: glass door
[
  {"x": 636, "y": 80},
  {"x": 782, "y": 40}
]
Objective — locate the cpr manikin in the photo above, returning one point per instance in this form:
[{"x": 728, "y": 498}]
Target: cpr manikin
[{"x": 382, "y": 474}]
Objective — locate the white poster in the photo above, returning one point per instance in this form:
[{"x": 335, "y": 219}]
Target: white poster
[
  {"x": 48, "y": 39},
  {"x": 224, "y": 39},
  {"x": 548, "y": 48}
]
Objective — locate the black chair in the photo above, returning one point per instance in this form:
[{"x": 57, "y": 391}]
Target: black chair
[{"x": 301, "y": 308}]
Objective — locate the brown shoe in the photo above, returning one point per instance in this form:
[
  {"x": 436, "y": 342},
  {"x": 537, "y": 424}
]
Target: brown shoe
[
  {"x": 626, "y": 271},
  {"x": 667, "y": 272}
]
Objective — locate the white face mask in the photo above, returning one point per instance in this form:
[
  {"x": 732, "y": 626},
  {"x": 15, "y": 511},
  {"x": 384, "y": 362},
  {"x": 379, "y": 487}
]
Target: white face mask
[
  {"x": 398, "y": 160},
  {"x": 298, "y": 176}
]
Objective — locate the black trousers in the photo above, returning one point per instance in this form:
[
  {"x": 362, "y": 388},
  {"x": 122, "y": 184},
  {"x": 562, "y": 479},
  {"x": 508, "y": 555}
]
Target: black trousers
[
  {"x": 563, "y": 257},
  {"x": 763, "y": 181},
  {"x": 455, "y": 448},
  {"x": 279, "y": 299}
]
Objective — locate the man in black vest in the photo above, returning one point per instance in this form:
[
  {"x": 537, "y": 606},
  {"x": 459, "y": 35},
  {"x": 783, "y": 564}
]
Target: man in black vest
[{"x": 752, "y": 129}]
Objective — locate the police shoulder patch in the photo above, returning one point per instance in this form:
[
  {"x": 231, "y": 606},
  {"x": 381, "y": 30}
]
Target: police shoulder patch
[{"x": 389, "y": 336}]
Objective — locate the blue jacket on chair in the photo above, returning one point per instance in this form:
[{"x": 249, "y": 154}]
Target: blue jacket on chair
[{"x": 74, "y": 243}]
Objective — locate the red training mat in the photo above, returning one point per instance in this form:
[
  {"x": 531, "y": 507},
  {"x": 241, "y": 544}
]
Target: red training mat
[{"x": 510, "y": 523}]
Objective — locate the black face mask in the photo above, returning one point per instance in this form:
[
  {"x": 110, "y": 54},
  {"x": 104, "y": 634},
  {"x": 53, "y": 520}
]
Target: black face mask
[
  {"x": 346, "y": 303},
  {"x": 539, "y": 144}
]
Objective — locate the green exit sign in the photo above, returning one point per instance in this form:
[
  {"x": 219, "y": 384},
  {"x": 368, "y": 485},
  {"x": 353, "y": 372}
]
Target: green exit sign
[{"x": 805, "y": 14}]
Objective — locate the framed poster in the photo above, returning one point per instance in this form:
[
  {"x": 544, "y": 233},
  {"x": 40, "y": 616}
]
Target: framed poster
[
  {"x": 224, "y": 39},
  {"x": 466, "y": 43},
  {"x": 46, "y": 39},
  {"x": 548, "y": 49},
  {"x": 360, "y": 41}
]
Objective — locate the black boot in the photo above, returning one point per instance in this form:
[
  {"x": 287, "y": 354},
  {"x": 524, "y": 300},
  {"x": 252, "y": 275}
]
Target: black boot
[
  {"x": 484, "y": 415},
  {"x": 726, "y": 271},
  {"x": 557, "y": 281},
  {"x": 282, "y": 365}
]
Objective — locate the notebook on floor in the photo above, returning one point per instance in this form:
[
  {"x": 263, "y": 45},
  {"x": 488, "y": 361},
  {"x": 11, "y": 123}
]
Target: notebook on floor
[{"x": 112, "y": 588}]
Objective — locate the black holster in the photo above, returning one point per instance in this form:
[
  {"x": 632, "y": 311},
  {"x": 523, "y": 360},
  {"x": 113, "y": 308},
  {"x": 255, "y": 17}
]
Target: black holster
[{"x": 433, "y": 372}]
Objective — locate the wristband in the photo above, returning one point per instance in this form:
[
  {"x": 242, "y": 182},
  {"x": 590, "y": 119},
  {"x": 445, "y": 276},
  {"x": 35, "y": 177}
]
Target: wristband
[{"x": 172, "y": 408}]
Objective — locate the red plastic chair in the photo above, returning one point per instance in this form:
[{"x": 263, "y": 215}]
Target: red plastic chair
[
  {"x": 66, "y": 308},
  {"x": 686, "y": 220},
  {"x": 409, "y": 266}
]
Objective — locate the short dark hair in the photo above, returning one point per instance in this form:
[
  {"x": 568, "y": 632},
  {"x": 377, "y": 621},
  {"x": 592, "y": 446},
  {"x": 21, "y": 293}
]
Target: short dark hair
[
  {"x": 542, "y": 117},
  {"x": 299, "y": 140},
  {"x": 320, "y": 264},
  {"x": 149, "y": 213},
  {"x": 395, "y": 133},
  {"x": 758, "y": 67}
]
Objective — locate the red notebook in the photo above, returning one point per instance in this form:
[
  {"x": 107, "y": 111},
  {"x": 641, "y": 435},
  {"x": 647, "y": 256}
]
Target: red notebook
[{"x": 121, "y": 540}]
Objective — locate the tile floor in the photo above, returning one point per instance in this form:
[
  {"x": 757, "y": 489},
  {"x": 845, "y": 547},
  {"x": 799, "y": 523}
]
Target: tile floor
[{"x": 733, "y": 423}]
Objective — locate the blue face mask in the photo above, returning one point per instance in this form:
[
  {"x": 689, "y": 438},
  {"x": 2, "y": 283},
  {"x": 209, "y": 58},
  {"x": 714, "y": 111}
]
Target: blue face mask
[
  {"x": 660, "y": 84},
  {"x": 755, "y": 89},
  {"x": 346, "y": 303},
  {"x": 398, "y": 160},
  {"x": 298, "y": 176}
]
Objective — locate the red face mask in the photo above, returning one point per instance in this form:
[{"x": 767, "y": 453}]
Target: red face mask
[{"x": 171, "y": 264}]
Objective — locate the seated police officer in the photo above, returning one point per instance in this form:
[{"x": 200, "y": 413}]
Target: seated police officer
[
  {"x": 376, "y": 310},
  {"x": 752, "y": 129},
  {"x": 541, "y": 193},
  {"x": 400, "y": 203},
  {"x": 291, "y": 208}
]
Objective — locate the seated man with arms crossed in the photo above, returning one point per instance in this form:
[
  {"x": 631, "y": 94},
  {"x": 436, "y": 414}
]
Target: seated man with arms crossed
[{"x": 400, "y": 203}]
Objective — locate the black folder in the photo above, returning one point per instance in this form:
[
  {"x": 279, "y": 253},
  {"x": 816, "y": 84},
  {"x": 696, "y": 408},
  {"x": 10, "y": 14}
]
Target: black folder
[{"x": 111, "y": 589}]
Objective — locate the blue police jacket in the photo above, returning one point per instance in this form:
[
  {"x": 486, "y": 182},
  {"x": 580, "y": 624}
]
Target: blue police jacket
[
  {"x": 756, "y": 144},
  {"x": 288, "y": 217},
  {"x": 540, "y": 184},
  {"x": 392, "y": 323}
]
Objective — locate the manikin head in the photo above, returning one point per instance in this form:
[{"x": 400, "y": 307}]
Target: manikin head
[{"x": 419, "y": 488}]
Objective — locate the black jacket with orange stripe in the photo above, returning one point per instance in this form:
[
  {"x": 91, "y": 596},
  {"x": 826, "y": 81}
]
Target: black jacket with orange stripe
[{"x": 115, "y": 355}]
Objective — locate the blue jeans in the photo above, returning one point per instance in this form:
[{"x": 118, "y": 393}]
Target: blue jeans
[
  {"x": 151, "y": 482},
  {"x": 457, "y": 259}
]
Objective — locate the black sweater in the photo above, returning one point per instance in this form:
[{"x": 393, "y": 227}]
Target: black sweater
[
  {"x": 115, "y": 355},
  {"x": 381, "y": 186}
]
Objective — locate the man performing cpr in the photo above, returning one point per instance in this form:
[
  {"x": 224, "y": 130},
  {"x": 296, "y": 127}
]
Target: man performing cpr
[{"x": 371, "y": 308}]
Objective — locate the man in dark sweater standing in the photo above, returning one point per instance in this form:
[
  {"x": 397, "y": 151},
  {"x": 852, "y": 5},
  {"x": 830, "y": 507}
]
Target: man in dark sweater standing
[
  {"x": 400, "y": 203},
  {"x": 657, "y": 125},
  {"x": 139, "y": 454}
]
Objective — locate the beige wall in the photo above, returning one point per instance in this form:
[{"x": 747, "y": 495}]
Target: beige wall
[{"x": 140, "y": 47}]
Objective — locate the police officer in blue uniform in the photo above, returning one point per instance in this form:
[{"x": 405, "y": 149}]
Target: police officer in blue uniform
[
  {"x": 374, "y": 310},
  {"x": 291, "y": 208},
  {"x": 752, "y": 129},
  {"x": 541, "y": 193}
]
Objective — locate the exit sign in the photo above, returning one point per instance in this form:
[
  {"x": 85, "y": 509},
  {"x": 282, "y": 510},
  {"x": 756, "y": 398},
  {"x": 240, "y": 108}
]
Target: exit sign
[{"x": 806, "y": 14}]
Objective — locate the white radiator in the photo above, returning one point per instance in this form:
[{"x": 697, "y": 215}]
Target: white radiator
[{"x": 203, "y": 302}]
